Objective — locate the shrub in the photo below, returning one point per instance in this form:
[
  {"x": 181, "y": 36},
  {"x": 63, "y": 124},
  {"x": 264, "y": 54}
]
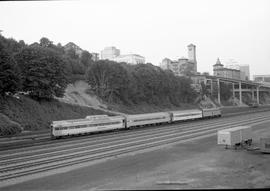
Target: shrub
[{"x": 8, "y": 127}]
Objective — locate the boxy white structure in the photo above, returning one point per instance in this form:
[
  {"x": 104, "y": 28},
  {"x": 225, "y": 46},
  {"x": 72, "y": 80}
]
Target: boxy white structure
[{"x": 235, "y": 135}]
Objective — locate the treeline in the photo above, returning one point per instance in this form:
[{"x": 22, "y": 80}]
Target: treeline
[
  {"x": 41, "y": 70},
  {"x": 141, "y": 83}
]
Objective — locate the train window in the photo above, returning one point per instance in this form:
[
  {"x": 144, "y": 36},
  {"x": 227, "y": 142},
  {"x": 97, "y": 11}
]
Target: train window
[
  {"x": 88, "y": 125},
  {"x": 150, "y": 119},
  {"x": 184, "y": 115}
]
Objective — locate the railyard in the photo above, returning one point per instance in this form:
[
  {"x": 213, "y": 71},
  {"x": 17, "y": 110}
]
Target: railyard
[{"x": 44, "y": 157}]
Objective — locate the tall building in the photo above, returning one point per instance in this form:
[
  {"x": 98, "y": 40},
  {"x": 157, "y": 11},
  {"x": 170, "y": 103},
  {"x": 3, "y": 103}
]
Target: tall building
[
  {"x": 244, "y": 70},
  {"x": 109, "y": 53},
  {"x": 130, "y": 59},
  {"x": 192, "y": 55},
  {"x": 165, "y": 64},
  {"x": 262, "y": 78},
  {"x": 182, "y": 66},
  {"x": 221, "y": 71}
]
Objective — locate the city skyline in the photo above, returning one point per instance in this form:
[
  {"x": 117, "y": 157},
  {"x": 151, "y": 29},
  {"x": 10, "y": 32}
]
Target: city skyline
[{"x": 155, "y": 29}]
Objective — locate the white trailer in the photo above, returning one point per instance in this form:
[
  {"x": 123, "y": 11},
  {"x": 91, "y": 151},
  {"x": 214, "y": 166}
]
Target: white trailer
[
  {"x": 229, "y": 137},
  {"x": 235, "y": 135}
]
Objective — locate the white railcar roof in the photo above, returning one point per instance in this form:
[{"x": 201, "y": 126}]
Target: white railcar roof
[
  {"x": 86, "y": 121},
  {"x": 96, "y": 116},
  {"x": 211, "y": 109},
  {"x": 186, "y": 111},
  {"x": 147, "y": 115}
]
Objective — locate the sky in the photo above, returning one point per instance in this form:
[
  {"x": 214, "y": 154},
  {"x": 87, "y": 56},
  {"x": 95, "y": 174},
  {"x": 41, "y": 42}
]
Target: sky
[{"x": 232, "y": 30}]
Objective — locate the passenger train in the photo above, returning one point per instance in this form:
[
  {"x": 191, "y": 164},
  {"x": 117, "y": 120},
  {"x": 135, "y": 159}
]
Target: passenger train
[{"x": 100, "y": 123}]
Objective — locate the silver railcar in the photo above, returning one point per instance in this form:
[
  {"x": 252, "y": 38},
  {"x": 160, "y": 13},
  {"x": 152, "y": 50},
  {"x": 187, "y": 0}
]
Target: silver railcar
[
  {"x": 186, "y": 115},
  {"x": 147, "y": 119},
  {"x": 87, "y": 125},
  {"x": 211, "y": 112}
]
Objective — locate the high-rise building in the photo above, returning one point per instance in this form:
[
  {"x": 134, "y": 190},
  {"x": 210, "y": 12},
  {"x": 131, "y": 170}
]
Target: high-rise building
[
  {"x": 262, "y": 78},
  {"x": 130, "y": 59},
  {"x": 192, "y": 55},
  {"x": 244, "y": 70},
  {"x": 182, "y": 66},
  {"x": 109, "y": 53},
  {"x": 165, "y": 64},
  {"x": 221, "y": 71}
]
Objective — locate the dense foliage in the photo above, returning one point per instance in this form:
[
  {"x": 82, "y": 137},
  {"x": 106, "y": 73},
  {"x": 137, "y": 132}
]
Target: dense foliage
[
  {"x": 9, "y": 75},
  {"x": 42, "y": 72},
  {"x": 129, "y": 84},
  {"x": 8, "y": 127},
  {"x": 41, "y": 69}
]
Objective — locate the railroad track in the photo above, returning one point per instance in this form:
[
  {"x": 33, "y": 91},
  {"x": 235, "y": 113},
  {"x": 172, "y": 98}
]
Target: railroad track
[
  {"x": 107, "y": 138},
  {"x": 34, "y": 160},
  {"x": 82, "y": 140},
  {"x": 44, "y": 138},
  {"x": 7, "y": 143}
]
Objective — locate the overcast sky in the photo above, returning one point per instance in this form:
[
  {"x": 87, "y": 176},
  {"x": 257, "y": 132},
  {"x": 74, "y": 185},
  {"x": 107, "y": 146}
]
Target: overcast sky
[{"x": 155, "y": 29}]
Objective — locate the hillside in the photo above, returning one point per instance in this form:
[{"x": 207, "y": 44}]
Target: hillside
[
  {"x": 79, "y": 93},
  {"x": 37, "y": 115}
]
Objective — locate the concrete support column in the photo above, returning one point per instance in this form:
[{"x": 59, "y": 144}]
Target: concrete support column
[
  {"x": 252, "y": 93},
  {"x": 211, "y": 86},
  {"x": 218, "y": 84},
  {"x": 240, "y": 93},
  {"x": 258, "y": 96},
  {"x": 233, "y": 92}
]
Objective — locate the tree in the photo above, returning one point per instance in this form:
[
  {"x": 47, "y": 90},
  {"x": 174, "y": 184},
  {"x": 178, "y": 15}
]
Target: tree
[
  {"x": 9, "y": 75},
  {"x": 71, "y": 53},
  {"x": 108, "y": 79},
  {"x": 187, "y": 69},
  {"x": 225, "y": 91},
  {"x": 43, "y": 72},
  {"x": 86, "y": 58},
  {"x": 10, "y": 45},
  {"x": 45, "y": 42}
]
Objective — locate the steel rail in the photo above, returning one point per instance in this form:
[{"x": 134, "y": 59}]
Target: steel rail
[
  {"x": 114, "y": 147},
  {"x": 70, "y": 146},
  {"x": 160, "y": 142}
]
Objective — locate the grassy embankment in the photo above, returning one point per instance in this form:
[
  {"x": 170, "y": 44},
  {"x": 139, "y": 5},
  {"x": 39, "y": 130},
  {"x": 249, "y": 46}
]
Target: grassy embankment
[{"x": 29, "y": 114}]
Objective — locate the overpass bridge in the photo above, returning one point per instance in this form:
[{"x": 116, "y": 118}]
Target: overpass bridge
[{"x": 238, "y": 86}]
